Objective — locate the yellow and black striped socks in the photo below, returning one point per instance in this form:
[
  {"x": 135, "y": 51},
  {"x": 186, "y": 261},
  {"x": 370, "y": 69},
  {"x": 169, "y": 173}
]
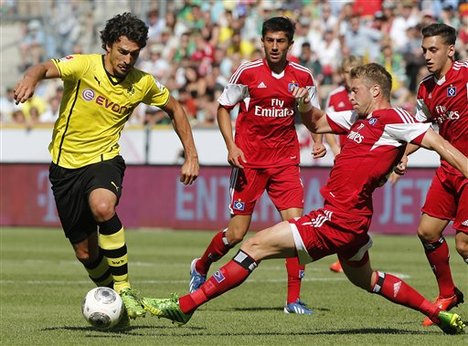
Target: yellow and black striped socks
[{"x": 112, "y": 242}]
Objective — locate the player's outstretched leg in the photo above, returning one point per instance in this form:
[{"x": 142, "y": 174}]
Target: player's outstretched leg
[{"x": 167, "y": 308}]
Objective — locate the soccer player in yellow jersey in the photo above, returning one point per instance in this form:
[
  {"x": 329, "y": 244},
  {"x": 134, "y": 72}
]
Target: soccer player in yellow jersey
[{"x": 100, "y": 93}]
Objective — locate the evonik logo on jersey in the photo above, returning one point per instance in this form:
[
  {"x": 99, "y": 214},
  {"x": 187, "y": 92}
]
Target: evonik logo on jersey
[{"x": 90, "y": 95}]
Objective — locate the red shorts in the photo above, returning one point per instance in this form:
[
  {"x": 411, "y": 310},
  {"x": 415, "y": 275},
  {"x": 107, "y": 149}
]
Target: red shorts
[
  {"x": 323, "y": 232},
  {"x": 283, "y": 185},
  {"x": 447, "y": 198}
]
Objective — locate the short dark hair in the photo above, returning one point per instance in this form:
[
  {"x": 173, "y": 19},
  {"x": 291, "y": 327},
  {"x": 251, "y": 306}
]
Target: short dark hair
[
  {"x": 125, "y": 24},
  {"x": 448, "y": 34},
  {"x": 279, "y": 24},
  {"x": 374, "y": 73}
]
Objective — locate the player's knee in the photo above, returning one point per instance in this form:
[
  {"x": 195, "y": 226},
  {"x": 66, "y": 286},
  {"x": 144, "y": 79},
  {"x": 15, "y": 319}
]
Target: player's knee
[
  {"x": 235, "y": 236},
  {"x": 462, "y": 248},
  {"x": 84, "y": 256},
  {"x": 426, "y": 235},
  {"x": 252, "y": 247},
  {"x": 102, "y": 210}
]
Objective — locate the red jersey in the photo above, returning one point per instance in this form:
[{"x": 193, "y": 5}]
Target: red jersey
[
  {"x": 444, "y": 102},
  {"x": 372, "y": 147},
  {"x": 265, "y": 129},
  {"x": 338, "y": 101}
]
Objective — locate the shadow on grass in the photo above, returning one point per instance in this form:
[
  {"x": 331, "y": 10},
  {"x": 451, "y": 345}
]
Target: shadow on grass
[{"x": 170, "y": 331}]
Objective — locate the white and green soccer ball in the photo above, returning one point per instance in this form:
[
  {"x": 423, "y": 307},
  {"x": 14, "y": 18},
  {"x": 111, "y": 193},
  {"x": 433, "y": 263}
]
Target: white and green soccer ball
[{"x": 102, "y": 307}]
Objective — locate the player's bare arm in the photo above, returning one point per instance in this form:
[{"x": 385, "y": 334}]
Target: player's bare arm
[
  {"x": 190, "y": 169},
  {"x": 448, "y": 152},
  {"x": 318, "y": 148},
  {"x": 235, "y": 154},
  {"x": 25, "y": 88}
]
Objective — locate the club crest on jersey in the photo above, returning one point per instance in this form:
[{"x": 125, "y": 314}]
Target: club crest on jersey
[
  {"x": 372, "y": 121},
  {"x": 219, "y": 277},
  {"x": 238, "y": 205},
  {"x": 292, "y": 85},
  {"x": 451, "y": 91}
]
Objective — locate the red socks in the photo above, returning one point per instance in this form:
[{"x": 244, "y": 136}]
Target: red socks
[
  {"x": 218, "y": 247},
  {"x": 295, "y": 275},
  {"x": 399, "y": 292},
  {"x": 437, "y": 254},
  {"x": 231, "y": 275}
]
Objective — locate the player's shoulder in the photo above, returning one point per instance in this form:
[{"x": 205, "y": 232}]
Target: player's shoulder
[
  {"x": 394, "y": 115},
  {"x": 79, "y": 58},
  {"x": 250, "y": 65},
  {"x": 460, "y": 70},
  {"x": 300, "y": 69},
  {"x": 460, "y": 65},
  {"x": 247, "y": 68}
]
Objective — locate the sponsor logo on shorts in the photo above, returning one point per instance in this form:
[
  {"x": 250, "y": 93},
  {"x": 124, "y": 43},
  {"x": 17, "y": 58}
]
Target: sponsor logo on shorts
[
  {"x": 219, "y": 277},
  {"x": 238, "y": 205}
]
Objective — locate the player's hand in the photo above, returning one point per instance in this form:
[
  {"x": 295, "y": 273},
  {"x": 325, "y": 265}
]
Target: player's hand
[
  {"x": 236, "y": 157},
  {"x": 302, "y": 98},
  {"x": 318, "y": 150},
  {"x": 24, "y": 90},
  {"x": 400, "y": 168},
  {"x": 189, "y": 171}
]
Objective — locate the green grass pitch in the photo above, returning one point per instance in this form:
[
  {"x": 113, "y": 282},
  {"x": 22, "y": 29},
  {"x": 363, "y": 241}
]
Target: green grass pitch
[{"x": 42, "y": 286}]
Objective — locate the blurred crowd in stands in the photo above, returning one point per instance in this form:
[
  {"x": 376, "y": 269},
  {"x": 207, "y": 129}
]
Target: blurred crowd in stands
[{"x": 194, "y": 46}]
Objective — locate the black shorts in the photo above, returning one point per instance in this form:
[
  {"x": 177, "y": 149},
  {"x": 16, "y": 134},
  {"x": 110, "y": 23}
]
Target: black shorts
[{"x": 71, "y": 188}]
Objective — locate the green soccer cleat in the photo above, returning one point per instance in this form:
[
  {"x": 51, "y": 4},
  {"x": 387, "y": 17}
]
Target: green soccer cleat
[
  {"x": 167, "y": 308},
  {"x": 450, "y": 323},
  {"x": 132, "y": 303}
]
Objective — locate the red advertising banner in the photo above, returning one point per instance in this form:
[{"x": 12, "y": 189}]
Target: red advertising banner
[{"x": 154, "y": 197}]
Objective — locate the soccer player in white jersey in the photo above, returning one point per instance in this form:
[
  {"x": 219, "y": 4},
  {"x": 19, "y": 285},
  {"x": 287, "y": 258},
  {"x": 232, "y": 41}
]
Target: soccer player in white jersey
[
  {"x": 442, "y": 99},
  {"x": 376, "y": 141},
  {"x": 86, "y": 173},
  {"x": 264, "y": 153}
]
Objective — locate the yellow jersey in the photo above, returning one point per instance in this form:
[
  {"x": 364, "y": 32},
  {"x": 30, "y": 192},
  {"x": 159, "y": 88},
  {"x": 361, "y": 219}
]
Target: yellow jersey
[{"x": 95, "y": 107}]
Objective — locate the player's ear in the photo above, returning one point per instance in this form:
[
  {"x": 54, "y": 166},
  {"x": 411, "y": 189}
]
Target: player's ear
[
  {"x": 451, "y": 52},
  {"x": 375, "y": 90}
]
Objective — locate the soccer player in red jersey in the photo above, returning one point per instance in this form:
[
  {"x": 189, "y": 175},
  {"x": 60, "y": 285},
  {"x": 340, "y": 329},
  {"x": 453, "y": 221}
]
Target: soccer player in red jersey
[
  {"x": 338, "y": 101},
  {"x": 376, "y": 141},
  {"x": 442, "y": 99},
  {"x": 264, "y": 153}
]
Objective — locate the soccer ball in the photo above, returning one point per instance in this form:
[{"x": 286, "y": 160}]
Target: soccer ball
[{"x": 102, "y": 307}]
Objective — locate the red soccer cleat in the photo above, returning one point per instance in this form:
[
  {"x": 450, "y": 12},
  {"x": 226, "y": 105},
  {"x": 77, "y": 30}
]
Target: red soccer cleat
[
  {"x": 445, "y": 304},
  {"x": 336, "y": 267}
]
